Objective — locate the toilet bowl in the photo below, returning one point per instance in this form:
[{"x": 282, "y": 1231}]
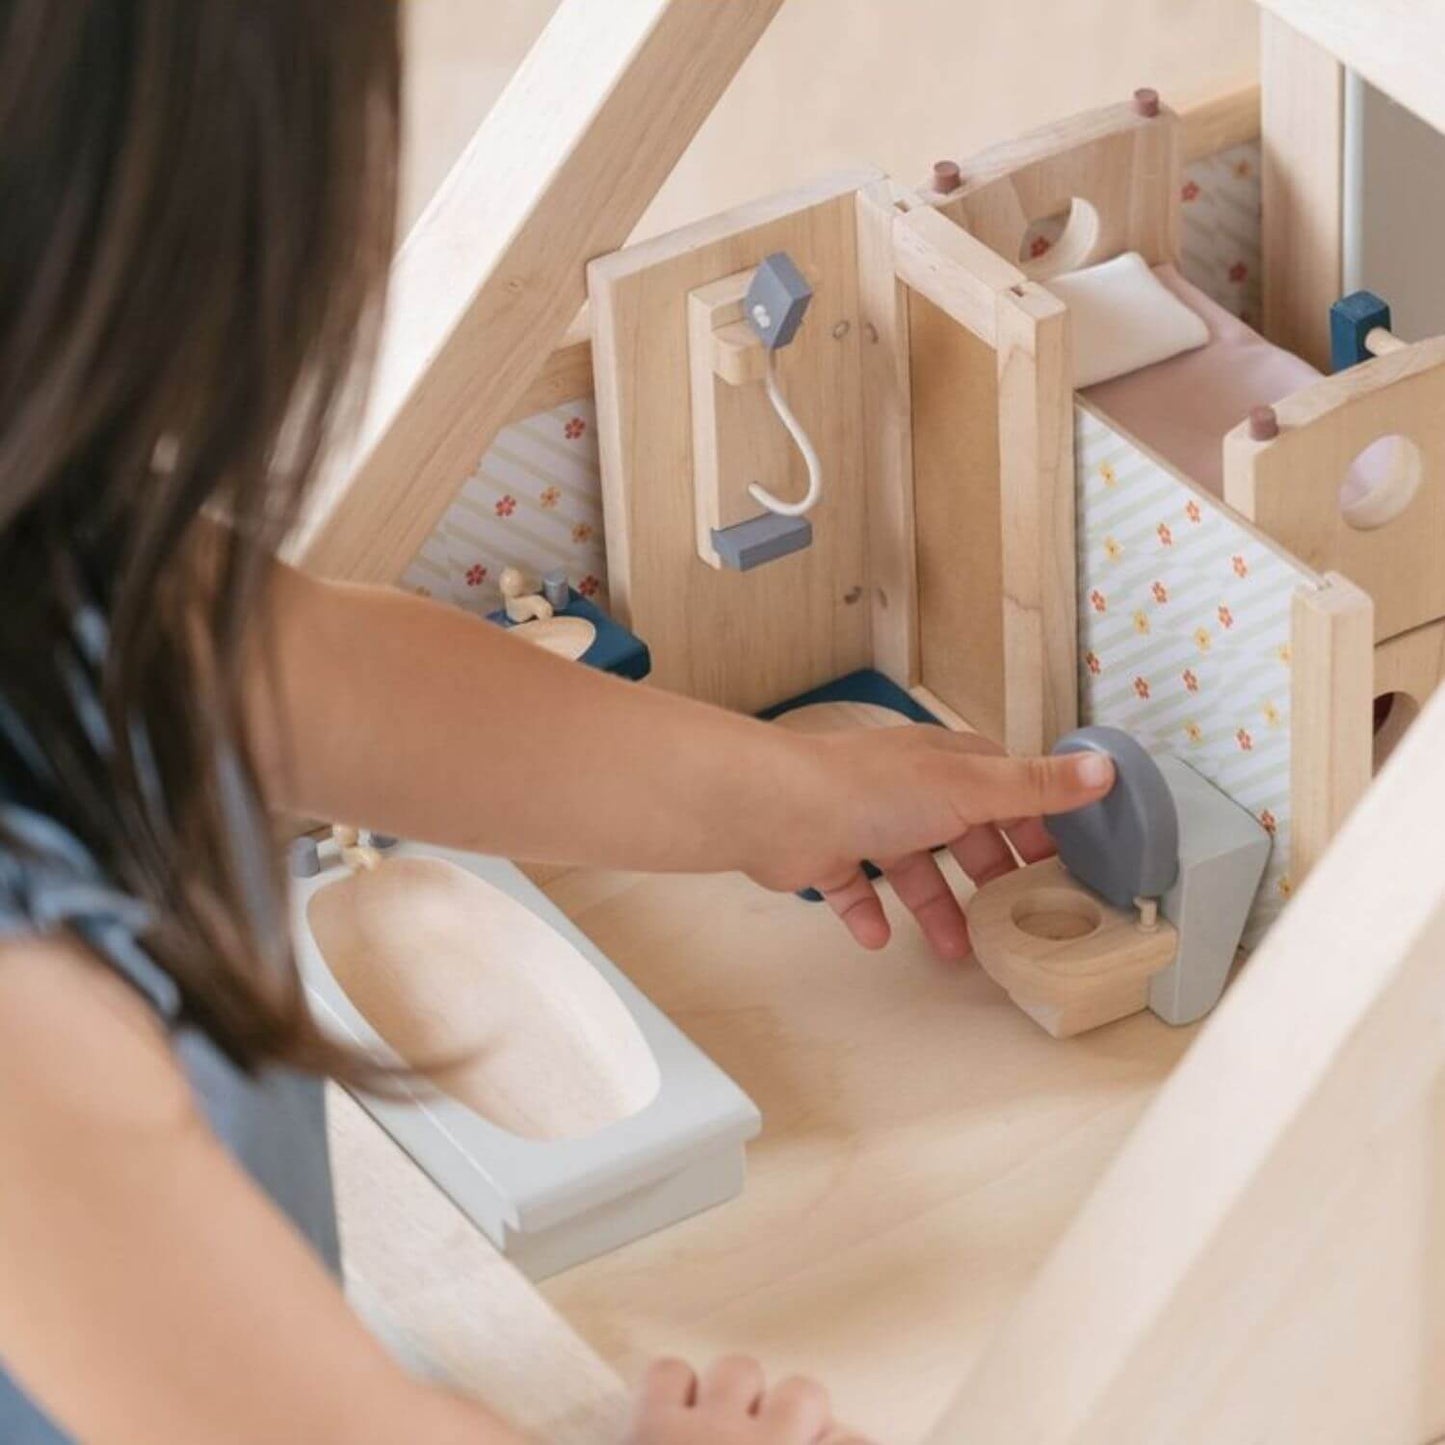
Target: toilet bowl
[
  {"x": 1144, "y": 906},
  {"x": 1067, "y": 957}
]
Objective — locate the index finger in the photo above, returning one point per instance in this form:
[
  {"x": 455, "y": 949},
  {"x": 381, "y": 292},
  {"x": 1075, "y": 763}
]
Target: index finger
[{"x": 989, "y": 790}]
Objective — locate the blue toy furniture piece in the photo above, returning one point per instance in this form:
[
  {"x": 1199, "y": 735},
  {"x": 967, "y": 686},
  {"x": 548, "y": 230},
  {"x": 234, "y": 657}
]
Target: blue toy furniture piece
[
  {"x": 614, "y": 649},
  {"x": 1352, "y": 319}
]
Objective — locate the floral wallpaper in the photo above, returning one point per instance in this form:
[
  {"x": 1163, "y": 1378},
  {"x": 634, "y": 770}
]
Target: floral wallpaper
[
  {"x": 534, "y": 501},
  {"x": 1221, "y": 229},
  {"x": 1184, "y": 633}
]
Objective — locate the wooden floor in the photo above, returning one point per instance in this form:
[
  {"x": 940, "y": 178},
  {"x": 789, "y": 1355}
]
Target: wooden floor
[{"x": 924, "y": 1145}]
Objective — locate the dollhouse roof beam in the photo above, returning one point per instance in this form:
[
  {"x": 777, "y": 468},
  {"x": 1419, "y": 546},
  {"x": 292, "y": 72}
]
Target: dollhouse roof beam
[
  {"x": 1395, "y": 44},
  {"x": 559, "y": 172}
]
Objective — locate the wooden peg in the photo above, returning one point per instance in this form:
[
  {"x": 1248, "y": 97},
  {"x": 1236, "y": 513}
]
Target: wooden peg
[
  {"x": 947, "y": 177},
  {"x": 1263, "y": 423}
]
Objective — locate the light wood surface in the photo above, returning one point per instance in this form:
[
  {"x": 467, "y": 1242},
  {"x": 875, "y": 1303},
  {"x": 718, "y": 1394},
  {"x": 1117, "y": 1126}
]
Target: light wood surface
[
  {"x": 1303, "y": 178},
  {"x": 821, "y": 718},
  {"x": 1229, "y": 119},
  {"x": 1263, "y": 1260},
  {"x": 1290, "y": 486},
  {"x": 923, "y": 1145},
  {"x": 1410, "y": 665},
  {"x": 746, "y": 640},
  {"x": 1036, "y": 480},
  {"x": 449, "y": 1306},
  {"x": 887, "y": 439},
  {"x": 446, "y": 967},
  {"x": 1332, "y": 692},
  {"x": 567, "y": 637},
  {"x": 1070, "y": 960},
  {"x": 1394, "y": 44},
  {"x": 1123, "y": 166},
  {"x": 959, "y": 506},
  {"x": 560, "y": 171}
]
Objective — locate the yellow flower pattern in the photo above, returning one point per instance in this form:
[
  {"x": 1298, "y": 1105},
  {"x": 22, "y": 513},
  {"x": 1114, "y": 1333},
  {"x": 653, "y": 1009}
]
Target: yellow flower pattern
[{"x": 1181, "y": 607}]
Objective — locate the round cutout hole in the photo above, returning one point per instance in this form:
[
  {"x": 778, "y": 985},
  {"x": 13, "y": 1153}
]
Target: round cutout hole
[
  {"x": 1381, "y": 482},
  {"x": 1057, "y": 914},
  {"x": 1061, "y": 242},
  {"x": 1394, "y": 713}
]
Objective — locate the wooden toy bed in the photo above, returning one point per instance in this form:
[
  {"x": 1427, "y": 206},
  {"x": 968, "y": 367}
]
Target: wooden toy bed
[{"x": 1263, "y": 1258}]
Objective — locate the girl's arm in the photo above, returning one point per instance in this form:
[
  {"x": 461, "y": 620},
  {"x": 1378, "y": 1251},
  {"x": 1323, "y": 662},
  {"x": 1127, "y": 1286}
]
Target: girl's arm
[
  {"x": 413, "y": 718},
  {"x": 148, "y": 1291}
]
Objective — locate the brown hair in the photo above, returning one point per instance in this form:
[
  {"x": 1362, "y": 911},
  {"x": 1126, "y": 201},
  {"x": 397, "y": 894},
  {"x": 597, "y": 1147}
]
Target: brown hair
[{"x": 197, "y": 200}]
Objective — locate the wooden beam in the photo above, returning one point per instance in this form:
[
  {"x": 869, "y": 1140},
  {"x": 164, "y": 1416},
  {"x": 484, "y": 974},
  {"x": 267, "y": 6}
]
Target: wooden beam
[
  {"x": 888, "y": 440},
  {"x": 560, "y": 172},
  {"x": 1332, "y": 669},
  {"x": 1395, "y": 44},
  {"x": 1228, "y": 120},
  {"x": 1303, "y": 179},
  {"x": 1036, "y": 485}
]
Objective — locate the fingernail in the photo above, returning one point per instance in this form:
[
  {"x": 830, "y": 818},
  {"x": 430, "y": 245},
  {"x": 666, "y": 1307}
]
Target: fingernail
[{"x": 1095, "y": 770}]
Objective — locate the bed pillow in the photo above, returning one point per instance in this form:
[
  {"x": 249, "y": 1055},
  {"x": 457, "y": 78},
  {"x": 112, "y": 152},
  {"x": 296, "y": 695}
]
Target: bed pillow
[{"x": 1124, "y": 318}]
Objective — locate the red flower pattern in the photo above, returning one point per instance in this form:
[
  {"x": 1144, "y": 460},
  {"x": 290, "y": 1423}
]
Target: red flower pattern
[
  {"x": 574, "y": 428},
  {"x": 581, "y": 533},
  {"x": 505, "y": 506},
  {"x": 1191, "y": 680},
  {"x": 1245, "y": 741},
  {"x": 1166, "y": 537},
  {"x": 1190, "y": 191},
  {"x": 1226, "y": 618},
  {"x": 1241, "y": 567},
  {"x": 550, "y": 497},
  {"x": 1093, "y": 663},
  {"x": 1098, "y": 601},
  {"x": 1269, "y": 822},
  {"x": 1161, "y": 593},
  {"x": 1142, "y": 688},
  {"x": 1238, "y": 273},
  {"x": 1040, "y": 246},
  {"x": 1193, "y": 513},
  {"x": 589, "y": 586},
  {"x": 476, "y": 575}
]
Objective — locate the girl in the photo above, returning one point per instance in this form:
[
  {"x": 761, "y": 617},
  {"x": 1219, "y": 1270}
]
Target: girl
[{"x": 196, "y": 201}]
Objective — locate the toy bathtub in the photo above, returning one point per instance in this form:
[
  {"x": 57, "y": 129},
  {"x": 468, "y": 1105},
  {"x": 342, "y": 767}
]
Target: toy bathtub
[{"x": 586, "y": 1120}]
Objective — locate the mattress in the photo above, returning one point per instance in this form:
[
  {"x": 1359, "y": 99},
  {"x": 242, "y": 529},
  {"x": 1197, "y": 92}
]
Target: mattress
[{"x": 1181, "y": 409}]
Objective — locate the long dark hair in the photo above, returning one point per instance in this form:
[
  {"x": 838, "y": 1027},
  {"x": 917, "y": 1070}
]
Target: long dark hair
[{"x": 197, "y": 200}]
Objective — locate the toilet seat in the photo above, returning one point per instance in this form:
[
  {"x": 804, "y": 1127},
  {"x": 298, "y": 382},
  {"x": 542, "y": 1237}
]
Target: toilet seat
[{"x": 1068, "y": 958}]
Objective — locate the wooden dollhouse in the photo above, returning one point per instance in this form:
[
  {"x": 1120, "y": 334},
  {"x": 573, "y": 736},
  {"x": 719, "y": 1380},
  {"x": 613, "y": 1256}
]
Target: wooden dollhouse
[{"x": 1260, "y": 1256}]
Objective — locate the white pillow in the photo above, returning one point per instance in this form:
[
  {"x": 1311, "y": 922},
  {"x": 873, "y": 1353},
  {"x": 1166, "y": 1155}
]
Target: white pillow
[{"x": 1124, "y": 318}]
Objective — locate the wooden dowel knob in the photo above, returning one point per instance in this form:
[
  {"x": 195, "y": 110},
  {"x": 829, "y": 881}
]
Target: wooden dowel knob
[
  {"x": 1263, "y": 423},
  {"x": 947, "y": 176},
  {"x": 1381, "y": 342}
]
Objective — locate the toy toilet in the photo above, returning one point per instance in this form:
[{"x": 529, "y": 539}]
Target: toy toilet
[
  {"x": 568, "y": 1115},
  {"x": 1144, "y": 906}
]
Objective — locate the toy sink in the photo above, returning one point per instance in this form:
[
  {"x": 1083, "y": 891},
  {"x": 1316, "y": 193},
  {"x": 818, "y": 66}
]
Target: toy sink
[{"x": 563, "y": 1112}]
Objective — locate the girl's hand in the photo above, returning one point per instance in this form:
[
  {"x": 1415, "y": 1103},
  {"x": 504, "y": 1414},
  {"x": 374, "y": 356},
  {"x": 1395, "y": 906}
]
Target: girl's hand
[
  {"x": 892, "y": 795},
  {"x": 731, "y": 1405}
]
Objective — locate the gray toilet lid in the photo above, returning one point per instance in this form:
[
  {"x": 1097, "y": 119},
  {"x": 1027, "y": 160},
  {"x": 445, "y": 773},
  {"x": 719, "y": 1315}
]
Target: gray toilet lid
[{"x": 1127, "y": 845}]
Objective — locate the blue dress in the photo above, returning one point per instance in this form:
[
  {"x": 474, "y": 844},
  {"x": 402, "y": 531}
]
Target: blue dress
[{"x": 274, "y": 1125}]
